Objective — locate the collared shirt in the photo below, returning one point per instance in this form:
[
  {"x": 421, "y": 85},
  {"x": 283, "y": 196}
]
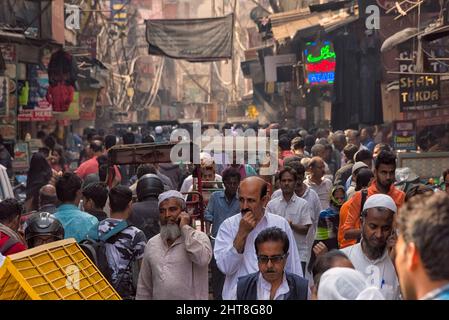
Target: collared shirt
[
  {"x": 299, "y": 212},
  {"x": 314, "y": 202},
  {"x": 379, "y": 273},
  {"x": 264, "y": 289},
  {"x": 234, "y": 264},
  {"x": 178, "y": 272},
  {"x": 323, "y": 190},
  {"x": 91, "y": 166},
  {"x": 441, "y": 293},
  {"x": 219, "y": 209},
  {"x": 76, "y": 223}
]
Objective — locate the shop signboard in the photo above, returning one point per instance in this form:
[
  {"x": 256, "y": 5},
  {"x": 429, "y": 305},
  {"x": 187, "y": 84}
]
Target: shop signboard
[
  {"x": 417, "y": 92},
  {"x": 404, "y": 135},
  {"x": 320, "y": 62}
]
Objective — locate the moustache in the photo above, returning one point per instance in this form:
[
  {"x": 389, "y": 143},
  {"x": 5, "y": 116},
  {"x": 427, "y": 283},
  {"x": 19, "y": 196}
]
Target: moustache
[
  {"x": 270, "y": 271},
  {"x": 246, "y": 210}
]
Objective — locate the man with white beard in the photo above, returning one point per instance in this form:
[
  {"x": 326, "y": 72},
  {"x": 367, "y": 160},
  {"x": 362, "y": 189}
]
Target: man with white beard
[{"x": 175, "y": 262}]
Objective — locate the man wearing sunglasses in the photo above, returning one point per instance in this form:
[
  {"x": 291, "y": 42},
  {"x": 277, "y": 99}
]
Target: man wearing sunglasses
[
  {"x": 234, "y": 245},
  {"x": 271, "y": 282}
]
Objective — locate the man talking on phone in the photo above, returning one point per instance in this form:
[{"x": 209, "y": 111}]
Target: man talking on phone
[
  {"x": 234, "y": 248},
  {"x": 175, "y": 262}
]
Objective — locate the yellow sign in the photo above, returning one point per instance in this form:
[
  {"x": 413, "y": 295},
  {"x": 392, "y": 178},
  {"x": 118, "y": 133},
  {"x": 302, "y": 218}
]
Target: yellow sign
[{"x": 252, "y": 112}]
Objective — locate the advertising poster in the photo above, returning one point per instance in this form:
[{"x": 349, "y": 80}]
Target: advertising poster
[{"x": 21, "y": 160}]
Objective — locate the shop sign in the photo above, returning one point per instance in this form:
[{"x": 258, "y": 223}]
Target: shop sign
[
  {"x": 404, "y": 135},
  {"x": 417, "y": 92},
  {"x": 320, "y": 61}
]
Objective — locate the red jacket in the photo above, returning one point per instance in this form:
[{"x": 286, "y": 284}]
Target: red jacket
[{"x": 15, "y": 248}]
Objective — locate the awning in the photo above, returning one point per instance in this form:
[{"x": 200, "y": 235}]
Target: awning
[
  {"x": 287, "y": 25},
  {"x": 398, "y": 38}
]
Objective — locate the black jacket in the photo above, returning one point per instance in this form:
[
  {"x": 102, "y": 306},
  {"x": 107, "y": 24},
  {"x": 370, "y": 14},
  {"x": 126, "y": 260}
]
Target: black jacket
[
  {"x": 145, "y": 216},
  {"x": 247, "y": 287}
]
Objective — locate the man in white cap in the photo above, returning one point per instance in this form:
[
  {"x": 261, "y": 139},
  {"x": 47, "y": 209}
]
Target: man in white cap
[
  {"x": 175, "y": 262},
  {"x": 208, "y": 170},
  {"x": 355, "y": 170},
  {"x": 371, "y": 256}
]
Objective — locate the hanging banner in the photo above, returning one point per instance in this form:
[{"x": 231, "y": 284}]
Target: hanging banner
[
  {"x": 195, "y": 40},
  {"x": 404, "y": 135}
]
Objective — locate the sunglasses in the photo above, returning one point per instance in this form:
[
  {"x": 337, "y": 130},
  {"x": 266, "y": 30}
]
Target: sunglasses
[{"x": 273, "y": 259}]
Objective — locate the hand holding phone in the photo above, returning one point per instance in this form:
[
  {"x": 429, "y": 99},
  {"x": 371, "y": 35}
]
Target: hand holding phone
[{"x": 183, "y": 219}]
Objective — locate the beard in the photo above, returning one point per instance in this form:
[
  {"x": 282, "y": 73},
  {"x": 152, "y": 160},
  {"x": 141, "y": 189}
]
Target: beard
[
  {"x": 373, "y": 252},
  {"x": 170, "y": 232}
]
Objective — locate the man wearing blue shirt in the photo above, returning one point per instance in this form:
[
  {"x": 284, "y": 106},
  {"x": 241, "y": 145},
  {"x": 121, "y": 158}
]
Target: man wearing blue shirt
[
  {"x": 222, "y": 205},
  {"x": 76, "y": 223}
]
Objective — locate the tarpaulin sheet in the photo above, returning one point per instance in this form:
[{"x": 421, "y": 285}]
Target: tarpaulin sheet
[{"x": 195, "y": 40}]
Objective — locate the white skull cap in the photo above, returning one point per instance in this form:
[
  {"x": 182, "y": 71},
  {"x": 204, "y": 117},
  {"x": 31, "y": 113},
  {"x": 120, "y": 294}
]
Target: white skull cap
[{"x": 380, "y": 201}]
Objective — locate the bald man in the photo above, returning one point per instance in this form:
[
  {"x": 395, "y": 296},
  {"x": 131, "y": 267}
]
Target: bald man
[
  {"x": 48, "y": 201},
  {"x": 234, "y": 246}
]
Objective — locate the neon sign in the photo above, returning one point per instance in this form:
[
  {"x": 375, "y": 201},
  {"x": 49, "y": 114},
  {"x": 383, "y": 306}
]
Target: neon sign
[
  {"x": 325, "y": 53},
  {"x": 320, "y": 63}
]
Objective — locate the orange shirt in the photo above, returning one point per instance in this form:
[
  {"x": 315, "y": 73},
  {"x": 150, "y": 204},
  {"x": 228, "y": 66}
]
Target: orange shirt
[
  {"x": 344, "y": 210},
  {"x": 352, "y": 220}
]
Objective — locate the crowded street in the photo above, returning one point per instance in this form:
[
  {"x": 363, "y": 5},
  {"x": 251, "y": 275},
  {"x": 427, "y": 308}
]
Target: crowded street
[{"x": 224, "y": 150}]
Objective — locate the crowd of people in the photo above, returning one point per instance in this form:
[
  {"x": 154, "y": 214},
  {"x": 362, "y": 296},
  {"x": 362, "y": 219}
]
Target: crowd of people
[{"x": 330, "y": 224}]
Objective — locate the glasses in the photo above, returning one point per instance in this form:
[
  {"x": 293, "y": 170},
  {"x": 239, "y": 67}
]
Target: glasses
[{"x": 273, "y": 259}]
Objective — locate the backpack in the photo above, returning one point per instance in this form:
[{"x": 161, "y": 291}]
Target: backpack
[
  {"x": 95, "y": 247},
  {"x": 364, "y": 193}
]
